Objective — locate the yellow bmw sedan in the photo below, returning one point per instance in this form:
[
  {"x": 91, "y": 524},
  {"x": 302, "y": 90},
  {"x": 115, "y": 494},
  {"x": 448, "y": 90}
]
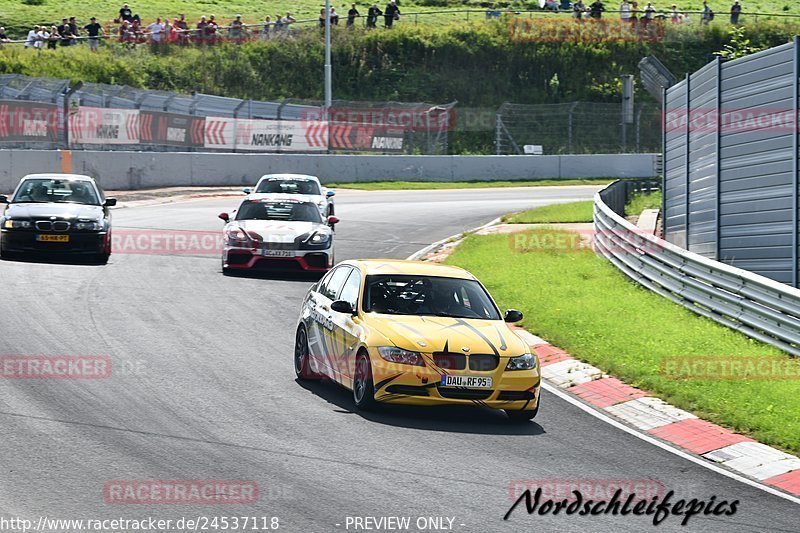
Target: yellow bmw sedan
[{"x": 415, "y": 333}]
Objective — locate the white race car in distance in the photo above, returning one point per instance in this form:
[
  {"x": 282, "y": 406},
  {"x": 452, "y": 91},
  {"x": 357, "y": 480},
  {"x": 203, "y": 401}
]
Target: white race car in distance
[
  {"x": 308, "y": 188},
  {"x": 277, "y": 233}
]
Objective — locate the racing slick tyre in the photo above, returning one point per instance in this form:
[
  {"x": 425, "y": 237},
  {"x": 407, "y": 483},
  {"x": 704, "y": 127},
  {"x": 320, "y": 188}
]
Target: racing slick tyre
[
  {"x": 523, "y": 416},
  {"x": 302, "y": 365},
  {"x": 363, "y": 386}
]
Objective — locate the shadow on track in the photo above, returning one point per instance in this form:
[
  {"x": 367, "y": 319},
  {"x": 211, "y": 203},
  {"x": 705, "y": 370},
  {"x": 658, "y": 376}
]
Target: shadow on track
[
  {"x": 81, "y": 260},
  {"x": 447, "y": 418},
  {"x": 274, "y": 275}
]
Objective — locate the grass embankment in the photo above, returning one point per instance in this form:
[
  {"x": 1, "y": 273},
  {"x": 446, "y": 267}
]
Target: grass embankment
[
  {"x": 420, "y": 185},
  {"x": 581, "y": 303},
  {"x": 579, "y": 211}
]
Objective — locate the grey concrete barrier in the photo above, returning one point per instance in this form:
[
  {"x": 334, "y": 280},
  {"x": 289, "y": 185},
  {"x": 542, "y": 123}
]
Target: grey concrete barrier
[{"x": 120, "y": 170}]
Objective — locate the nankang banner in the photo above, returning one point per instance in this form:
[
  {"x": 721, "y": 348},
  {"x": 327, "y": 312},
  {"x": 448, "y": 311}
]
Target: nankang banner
[
  {"x": 28, "y": 121},
  {"x": 99, "y": 125},
  {"x": 266, "y": 135}
]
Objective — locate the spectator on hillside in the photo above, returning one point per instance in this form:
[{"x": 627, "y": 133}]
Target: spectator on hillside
[
  {"x": 625, "y": 11},
  {"x": 63, "y": 31},
  {"x": 279, "y": 24},
  {"x": 136, "y": 19},
  {"x": 334, "y": 17},
  {"x": 73, "y": 29},
  {"x": 596, "y": 9},
  {"x": 322, "y": 18},
  {"x": 3, "y": 37},
  {"x": 578, "y": 9},
  {"x": 551, "y": 5},
  {"x": 391, "y": 13},
  {"x": 52, "y": 41},
  {"x": 200, "y": 36},
  {"x": 169, "y": 31},
  {"x": 372, "y": 15},
  {"x": 211, "y": 30},
  {"x": 125, "y": 13},
  {"x": 351, "y": 15},
  {"x": 156, "y": 32},
  {"x": 635, "y": 12},
  {"x": 94, "y": 31},
  {"x": 31, "y": 39},
  {"x": 675, "y": 14},
  {"x": 649, "y": 14},
  {"x": 736, "y": 10},
  {"x": 289, "y": 19},
  {"x": 236, "y": 28},
  {"x": 706, "y": 15},
  {"x": 41, "y": 37},
  {"x": 266, "y": 28},
  {"x": 181, "y": 28}
]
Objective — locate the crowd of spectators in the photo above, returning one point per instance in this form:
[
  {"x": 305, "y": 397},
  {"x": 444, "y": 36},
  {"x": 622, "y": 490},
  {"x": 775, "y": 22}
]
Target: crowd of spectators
[{"x": 128, "y": 27}]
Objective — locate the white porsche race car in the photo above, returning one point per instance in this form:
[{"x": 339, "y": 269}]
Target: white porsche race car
[{"x": 277, "y": 233}]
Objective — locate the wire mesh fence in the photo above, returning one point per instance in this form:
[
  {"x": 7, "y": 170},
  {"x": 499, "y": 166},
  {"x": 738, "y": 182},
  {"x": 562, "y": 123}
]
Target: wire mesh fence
[
  {"x": 48, "y": 113},
  {"x": 102, "y": 116},
  {"x": 576, "y": 128}
]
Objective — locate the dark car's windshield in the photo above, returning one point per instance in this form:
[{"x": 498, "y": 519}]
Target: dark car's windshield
[
  {"x": 272, "y": 210},
  {"x": 56, "y": 191},
  {"x": 428, "y": 295},
  {"x": 288, "y": 186}
]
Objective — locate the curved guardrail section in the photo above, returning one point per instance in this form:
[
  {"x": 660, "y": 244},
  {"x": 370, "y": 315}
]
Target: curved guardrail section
[{"x": 754, "y": 305}]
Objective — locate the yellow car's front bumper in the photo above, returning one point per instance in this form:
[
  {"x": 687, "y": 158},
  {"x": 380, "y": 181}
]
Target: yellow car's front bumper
[{"x": 421, "y": 385}]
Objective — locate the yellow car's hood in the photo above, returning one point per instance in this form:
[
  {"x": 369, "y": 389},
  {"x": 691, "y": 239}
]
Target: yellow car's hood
[{"x": 439, "y": 334}]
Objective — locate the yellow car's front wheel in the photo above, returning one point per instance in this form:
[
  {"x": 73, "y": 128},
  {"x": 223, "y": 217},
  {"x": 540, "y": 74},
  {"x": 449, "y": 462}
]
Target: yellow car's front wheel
[
  {"x": 363, "y": 385},
  {"x": 523, "y": 416}
]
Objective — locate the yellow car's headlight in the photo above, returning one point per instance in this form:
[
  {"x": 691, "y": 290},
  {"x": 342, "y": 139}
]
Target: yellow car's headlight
[
  {"x": 398, "y": 355},
  {"x": 523, "y": 362}
]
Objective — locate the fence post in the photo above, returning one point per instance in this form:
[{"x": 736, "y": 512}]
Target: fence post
[
  {"x": 569, "y": 126},
  {"x": 638, "y": 129},
  {"x": 688, "y": 150},
  {"x": 67, "y": 98},
  {"x": 719, "y": 158},
  {"x": 498, "y": 121},
  {"x": 795, "y": 146}
]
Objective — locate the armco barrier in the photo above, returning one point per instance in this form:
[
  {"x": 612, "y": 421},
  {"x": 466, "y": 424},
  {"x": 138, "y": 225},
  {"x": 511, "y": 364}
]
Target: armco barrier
[
  {"x": 754, "y": 305},
  {"x": 118, "y": 170}
]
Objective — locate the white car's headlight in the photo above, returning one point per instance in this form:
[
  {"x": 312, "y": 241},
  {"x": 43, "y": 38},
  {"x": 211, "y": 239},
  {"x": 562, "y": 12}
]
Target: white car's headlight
[
  {"x": 235, "y": 235},
  {"x": 523, "y": 362},
  {"x": 320, "y": 238},
  {"x": 398, "y": 355}
]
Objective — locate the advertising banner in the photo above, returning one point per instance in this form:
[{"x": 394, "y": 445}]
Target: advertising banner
[
  {"x": 171, "y": 129},
  {"x": 98, "y": 125},
  {"x": 22, "y": 121}
]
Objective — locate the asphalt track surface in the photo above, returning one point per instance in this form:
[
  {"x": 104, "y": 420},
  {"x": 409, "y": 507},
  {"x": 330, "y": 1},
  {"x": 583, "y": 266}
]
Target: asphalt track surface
[{"x": 203, "y": 388}]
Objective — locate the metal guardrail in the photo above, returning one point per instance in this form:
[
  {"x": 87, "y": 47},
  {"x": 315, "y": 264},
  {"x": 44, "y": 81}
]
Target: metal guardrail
[{"x": 751, "y": 304}]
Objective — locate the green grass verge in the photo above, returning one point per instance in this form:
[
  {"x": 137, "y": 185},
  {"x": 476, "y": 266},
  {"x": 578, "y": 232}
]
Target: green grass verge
[
  {"x": 641, "y": 201},
  {"x": 582, "y": 304},
  {"x": 419, "y": 185},
  {"x": 553, "y": 214}
]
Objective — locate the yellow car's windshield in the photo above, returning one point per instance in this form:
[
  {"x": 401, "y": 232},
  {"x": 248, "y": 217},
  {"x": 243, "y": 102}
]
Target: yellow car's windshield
[{"x": 428, "y": 295}]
